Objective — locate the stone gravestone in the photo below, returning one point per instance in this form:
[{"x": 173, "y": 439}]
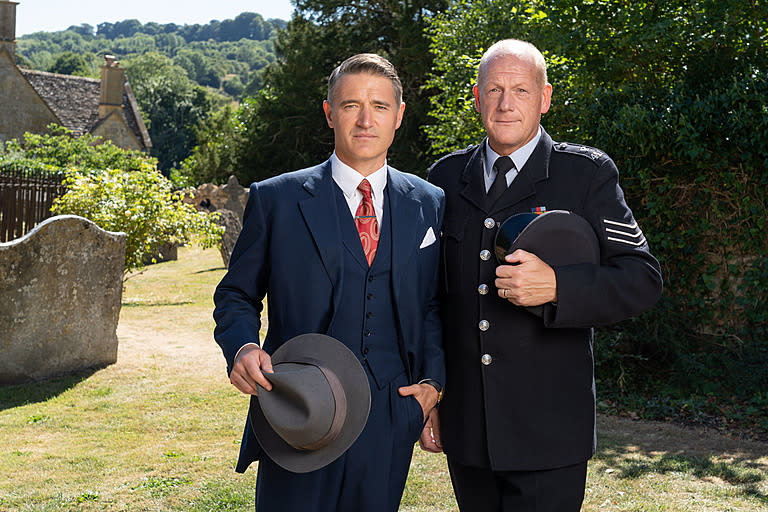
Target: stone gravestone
[
  {"x": 229, "y": 202},
  {"x": 60, "y": 291}
]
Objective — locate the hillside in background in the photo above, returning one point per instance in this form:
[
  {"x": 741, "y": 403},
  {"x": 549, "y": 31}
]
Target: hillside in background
[{"x": 226, "y": 55}]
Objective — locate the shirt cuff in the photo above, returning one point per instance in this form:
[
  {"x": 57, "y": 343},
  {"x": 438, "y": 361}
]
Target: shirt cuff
[{"x": 237, "y": 356}]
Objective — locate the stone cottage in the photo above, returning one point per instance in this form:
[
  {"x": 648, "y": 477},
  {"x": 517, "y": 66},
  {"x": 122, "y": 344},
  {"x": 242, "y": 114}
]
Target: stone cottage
[{"x": 31, "y": 100}]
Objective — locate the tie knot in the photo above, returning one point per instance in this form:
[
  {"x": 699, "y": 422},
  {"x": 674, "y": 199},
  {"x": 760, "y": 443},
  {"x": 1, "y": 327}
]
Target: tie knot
[
  {"x": 365, "y": 188},
  {"x": 503, "y": 164}
]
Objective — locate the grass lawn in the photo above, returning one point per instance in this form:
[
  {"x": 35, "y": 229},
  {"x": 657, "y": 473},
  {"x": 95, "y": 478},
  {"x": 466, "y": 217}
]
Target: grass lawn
[{"x": 160, "y": 430}]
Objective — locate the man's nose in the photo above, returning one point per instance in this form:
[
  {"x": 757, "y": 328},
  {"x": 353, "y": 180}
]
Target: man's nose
[
  {"x": 506, "y": 101},
  {"x": 365, "y": 118}
]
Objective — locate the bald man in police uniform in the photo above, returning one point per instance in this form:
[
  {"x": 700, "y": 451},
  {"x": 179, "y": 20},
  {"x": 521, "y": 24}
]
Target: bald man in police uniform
[{"x": 517, "y": 421}]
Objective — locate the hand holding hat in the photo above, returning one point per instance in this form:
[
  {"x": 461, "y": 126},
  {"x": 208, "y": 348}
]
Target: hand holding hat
[
  {"x": 318, "y": 405},
  {"x": 556, "y": 238}
]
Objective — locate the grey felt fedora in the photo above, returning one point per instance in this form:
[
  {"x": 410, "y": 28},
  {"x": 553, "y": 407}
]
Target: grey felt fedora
[
  {"x": 318, "y": 405},
  {"x": 558, "y": 237}
]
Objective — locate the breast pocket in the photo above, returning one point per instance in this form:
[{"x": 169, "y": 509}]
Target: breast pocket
[{"x": 452, "y": 264}]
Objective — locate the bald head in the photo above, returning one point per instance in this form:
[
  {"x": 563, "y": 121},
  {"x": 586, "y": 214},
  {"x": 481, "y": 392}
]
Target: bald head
[{"x": 521, "y": 50}]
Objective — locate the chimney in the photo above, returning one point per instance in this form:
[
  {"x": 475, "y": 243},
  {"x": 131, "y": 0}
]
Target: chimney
[
  {"x": 8, "y": 27},
  {"x": 112, "y": 86}
]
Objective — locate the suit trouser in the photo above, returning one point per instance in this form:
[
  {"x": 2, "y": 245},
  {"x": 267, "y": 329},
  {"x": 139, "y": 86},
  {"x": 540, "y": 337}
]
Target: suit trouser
[
  {"x": 552, "y": 490},
  {"x": 369, "y": 477}
]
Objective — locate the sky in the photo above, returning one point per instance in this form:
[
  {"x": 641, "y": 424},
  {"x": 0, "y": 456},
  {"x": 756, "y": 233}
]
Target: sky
[{"x": 53, "y": 15}]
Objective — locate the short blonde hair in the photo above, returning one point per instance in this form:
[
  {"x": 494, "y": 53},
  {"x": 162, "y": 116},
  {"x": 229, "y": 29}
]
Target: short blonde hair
[{"x": 522, "y": 49}]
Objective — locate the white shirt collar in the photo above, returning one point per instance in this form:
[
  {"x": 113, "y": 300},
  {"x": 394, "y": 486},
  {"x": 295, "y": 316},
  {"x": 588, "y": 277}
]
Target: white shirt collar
[
  {"x": 519, "y": 157},
  {"x": 348, "y": 180}
]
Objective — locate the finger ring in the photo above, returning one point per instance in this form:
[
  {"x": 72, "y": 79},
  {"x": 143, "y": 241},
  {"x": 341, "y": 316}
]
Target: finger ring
[{"x": 505, "y": 293}]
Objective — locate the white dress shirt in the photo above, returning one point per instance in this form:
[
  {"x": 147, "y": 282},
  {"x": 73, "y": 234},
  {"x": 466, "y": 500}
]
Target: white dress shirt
[{"x": 348, "y": 180}]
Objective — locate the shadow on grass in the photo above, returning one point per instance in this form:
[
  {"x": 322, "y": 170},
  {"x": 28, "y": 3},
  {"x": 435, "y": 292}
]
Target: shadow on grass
[
  {"x": 740, "y": 472},
  {"x": 215, "y": 269},
  {"x": 15, "y": 395},
  {"x": 140, "y": 303}
]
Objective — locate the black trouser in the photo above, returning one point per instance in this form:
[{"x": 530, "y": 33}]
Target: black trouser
[{"x": 552, "y": 490}]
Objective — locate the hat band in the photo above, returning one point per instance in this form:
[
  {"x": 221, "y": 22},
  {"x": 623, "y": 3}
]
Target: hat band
[{"x": 340, "y": 414}]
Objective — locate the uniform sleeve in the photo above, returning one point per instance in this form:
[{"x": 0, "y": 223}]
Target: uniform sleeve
[
  {"x": 238, "y": 297},
  {"x": 627, "y": 281}
]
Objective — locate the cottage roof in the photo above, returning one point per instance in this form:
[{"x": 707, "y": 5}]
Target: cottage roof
[{"x": 75, "y": 101}]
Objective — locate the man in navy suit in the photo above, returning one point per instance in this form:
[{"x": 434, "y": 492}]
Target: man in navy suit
[{"x": 348, "y": 248}]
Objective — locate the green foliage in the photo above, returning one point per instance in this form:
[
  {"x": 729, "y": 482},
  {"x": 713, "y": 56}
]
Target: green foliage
[
  {"x": 61, "y": 149},
  {"x": 140, "y": 203},
  {"x": 69, "y": 63},
  {"x": 677, "y": 93},
  {"x": 241, "y": 46},
  {"x": 188, "y": 82},
  {"x": 215, "y": 157},
  {"x": 285, "y": 128},
  {"x": 118, "y": 189},
  {"x": 171, "y": 103}
]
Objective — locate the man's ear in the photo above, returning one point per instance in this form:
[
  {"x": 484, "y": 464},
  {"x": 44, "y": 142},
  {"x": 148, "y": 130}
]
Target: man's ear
[
  {"x": 546, "y": 98},
  {"x": 327, "y": 110},
  {"x": 400, "y": 112},
  {"x": 476, "y": 92}
]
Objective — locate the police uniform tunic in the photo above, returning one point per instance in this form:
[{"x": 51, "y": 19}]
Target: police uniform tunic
[{"x": 520, "y": 393}]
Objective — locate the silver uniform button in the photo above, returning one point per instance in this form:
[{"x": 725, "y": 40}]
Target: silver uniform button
[
  {"x": 484, "y": 325},
  {"x": 489, "y": 223},
  {"x": 483, "y": 289},
  {"x": 485, "y": 255},
  {"x": 486, "y": 359}
]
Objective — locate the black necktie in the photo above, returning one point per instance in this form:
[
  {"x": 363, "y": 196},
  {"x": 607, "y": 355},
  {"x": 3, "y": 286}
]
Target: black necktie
[{"x": 502, "y": 165}]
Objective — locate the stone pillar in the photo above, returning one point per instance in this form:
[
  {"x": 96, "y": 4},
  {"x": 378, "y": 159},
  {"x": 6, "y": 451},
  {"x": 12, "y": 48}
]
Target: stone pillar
[
  {"x": 8, "y": 27},
  {"x": 60, "y": 288}
]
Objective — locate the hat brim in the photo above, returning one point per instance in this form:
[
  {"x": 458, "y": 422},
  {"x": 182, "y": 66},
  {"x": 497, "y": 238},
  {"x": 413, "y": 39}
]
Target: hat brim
[
  {"x": 557, "y": 237},
  {"x": 341, "y": 361}
]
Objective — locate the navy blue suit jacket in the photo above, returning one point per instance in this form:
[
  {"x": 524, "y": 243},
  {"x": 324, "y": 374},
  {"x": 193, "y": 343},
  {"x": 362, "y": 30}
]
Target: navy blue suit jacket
[{"x": 290, "y": 249}]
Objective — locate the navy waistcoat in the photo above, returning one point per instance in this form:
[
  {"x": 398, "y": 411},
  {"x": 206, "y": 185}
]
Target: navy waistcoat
[{"x": 366, "y": 321}]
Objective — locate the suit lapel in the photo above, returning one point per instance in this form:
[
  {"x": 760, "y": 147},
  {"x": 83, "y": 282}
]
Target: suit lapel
[
  {"x": 321, "y": 216},
  {"x": 407, "y": 226}
]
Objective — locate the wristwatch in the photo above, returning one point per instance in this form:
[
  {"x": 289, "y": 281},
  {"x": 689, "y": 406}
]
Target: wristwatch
[{"x": 436, "y": 385}]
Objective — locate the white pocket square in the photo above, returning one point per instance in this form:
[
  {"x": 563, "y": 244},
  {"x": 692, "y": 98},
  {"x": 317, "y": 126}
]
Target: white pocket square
[{"x": 429, "y": 238}]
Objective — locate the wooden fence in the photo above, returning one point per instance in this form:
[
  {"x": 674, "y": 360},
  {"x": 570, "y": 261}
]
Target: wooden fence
[{"x": 25, "y": 199}]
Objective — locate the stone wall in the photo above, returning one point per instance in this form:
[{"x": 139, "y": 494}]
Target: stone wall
[
  {"x": 229, "y": 201},
  {"x": 60, "y": 293},
  {"x": 21, "y": 108}
]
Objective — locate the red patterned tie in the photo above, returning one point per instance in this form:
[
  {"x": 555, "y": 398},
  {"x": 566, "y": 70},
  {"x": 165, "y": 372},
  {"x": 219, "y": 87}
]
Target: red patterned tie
[{"x": 366, "y": 222}]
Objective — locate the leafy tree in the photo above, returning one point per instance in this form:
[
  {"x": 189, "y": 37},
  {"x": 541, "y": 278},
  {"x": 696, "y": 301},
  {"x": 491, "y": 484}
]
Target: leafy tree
[
  {"x": 215, "y": 157},
  {"x": 233, "y": 86},
  {"x": 69, "y": 63},
  {"x": 286, "y": 128},
  {"x": 61, "y": 149},
  {"x": 118, "y": 189},
  {"x": 140, "y": 203},
  {"x": 83, "y": 29},
  {"x": 171, "y": 103},
  {"x": 241, "y": 46}
]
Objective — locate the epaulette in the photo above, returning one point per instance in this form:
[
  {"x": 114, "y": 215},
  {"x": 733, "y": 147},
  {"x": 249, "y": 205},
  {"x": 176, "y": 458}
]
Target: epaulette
[
  {"x": 579, "y": 149},
  {"x": 458, "y": 152}
]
